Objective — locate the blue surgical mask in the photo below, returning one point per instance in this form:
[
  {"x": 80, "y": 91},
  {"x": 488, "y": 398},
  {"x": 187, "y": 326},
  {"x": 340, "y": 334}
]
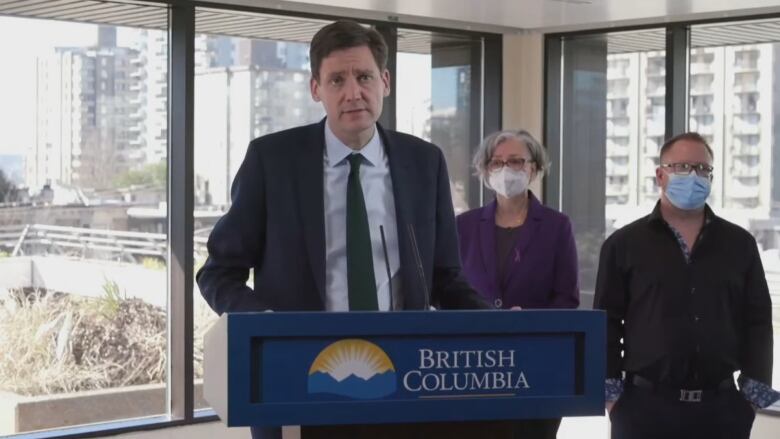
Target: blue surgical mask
[{"x": 688, "y": 192}]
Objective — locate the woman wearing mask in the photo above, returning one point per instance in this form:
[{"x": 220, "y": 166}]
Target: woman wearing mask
[{"x": 515, "y": 251}]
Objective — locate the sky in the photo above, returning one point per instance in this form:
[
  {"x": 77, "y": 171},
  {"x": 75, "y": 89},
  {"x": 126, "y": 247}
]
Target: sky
[{"x": 21, "y": 41}]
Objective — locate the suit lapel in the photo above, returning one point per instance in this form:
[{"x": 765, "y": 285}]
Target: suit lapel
[
  {"x": 487, "y": 240},
  {"x": 403, "y": 178},
  {"x": 311, "y": 201}
]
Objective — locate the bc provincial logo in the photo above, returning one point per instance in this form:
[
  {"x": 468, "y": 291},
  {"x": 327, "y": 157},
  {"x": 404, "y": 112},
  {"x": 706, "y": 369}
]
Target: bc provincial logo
[{"x": 353, "y": 368}]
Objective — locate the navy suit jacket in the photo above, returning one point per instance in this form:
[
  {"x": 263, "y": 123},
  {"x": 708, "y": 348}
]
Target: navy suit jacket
[
  {"x": 541, "y": 270},
  {"x": 276, "y": 226}
]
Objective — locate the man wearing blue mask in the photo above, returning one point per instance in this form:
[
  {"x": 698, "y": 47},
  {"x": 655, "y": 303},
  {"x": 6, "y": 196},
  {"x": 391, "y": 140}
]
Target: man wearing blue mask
[{"x": 687, "y": 306}]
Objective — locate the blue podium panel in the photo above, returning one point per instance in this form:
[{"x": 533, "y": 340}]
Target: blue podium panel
[{"x": 414, "y": 366}]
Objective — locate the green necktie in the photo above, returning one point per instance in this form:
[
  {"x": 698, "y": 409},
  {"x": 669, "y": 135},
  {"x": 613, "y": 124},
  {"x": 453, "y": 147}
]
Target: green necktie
[{"x": 360, "y": 261}]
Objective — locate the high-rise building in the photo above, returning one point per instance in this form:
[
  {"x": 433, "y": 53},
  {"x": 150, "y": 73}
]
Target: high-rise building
[
  {"x": 271, "y": 54},
  {"x": 731, "y": 104},
  {"x": 234, "y": 105},
  {"x": 150, "y": 91},
  {"x": 102, "y": 110},
  {"x": 727, "y": 108},
  {"x": 635, "y": 126},
  {"x": 151, "y": 85},
  {"x": 244, "y": 89},
  {"x": 83, "y": 133}
]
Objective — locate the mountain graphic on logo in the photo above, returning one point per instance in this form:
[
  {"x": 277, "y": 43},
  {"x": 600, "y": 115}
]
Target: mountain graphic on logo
[{"x": 353, "y": 368}]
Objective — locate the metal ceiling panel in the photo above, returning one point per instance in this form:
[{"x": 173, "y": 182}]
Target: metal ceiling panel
[{"x": 113, "y": 12}]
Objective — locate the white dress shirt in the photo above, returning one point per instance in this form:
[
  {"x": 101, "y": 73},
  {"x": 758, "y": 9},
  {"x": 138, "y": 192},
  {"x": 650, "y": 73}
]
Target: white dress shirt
[{"x": 380, "y": 206}]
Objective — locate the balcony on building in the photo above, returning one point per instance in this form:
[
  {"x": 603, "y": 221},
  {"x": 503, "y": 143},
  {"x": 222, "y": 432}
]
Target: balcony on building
[
  {"x": 701, "y": 69},
  {"x": 616, "y": 150}
]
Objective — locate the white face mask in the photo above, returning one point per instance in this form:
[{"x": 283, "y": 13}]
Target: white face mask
[{"x": 508, "y": 182}]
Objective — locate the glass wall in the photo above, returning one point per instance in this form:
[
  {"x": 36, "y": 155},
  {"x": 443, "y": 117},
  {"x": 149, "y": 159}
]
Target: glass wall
[
  {"x": 83, "y": 220},
  {"x": 605, "y": 124},
  {"x": 605, "y": 137},
  {"x": 735, "y": 104},
  {"x": 438, "y": 80}
]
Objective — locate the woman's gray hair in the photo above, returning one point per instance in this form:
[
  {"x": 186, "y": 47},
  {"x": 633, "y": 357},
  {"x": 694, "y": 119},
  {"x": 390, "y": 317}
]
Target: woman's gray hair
[{"x": 488, "y": 147}]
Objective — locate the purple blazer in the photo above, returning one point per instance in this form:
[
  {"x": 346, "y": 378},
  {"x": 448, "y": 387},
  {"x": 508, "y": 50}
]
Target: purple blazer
[{"x": 542, "y": 270}]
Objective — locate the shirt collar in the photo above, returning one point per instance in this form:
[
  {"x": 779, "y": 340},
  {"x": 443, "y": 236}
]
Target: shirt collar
[
  {"x": 336, "y": 151},
  {"x": 709, "y": 215}
]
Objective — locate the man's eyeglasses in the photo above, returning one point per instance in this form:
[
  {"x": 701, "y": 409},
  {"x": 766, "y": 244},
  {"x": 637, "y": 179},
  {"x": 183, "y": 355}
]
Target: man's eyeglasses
[
  {"x": 702, "y": 169},
  {"x": 515, "y": 163}
]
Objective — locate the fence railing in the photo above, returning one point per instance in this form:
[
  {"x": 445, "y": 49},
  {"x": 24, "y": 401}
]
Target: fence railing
[{"x": 40, "y": 239}]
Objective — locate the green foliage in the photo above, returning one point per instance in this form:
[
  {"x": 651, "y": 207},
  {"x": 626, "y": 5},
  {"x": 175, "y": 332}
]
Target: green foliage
[
  {"x": 153, "y": 175},
  {"x": 108, "y": 304},
  {"x": 153, "y": 263}
]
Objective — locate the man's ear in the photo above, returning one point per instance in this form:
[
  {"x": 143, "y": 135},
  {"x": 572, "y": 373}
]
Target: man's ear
[
  {"x": 314, "y": 86},
  {"x": 386, "y": 81},
  {"x": 658, "y": 176}
]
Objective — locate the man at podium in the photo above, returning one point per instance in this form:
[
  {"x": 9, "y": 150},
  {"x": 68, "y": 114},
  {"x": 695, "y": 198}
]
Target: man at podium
[{"x": 340, "y": 215}]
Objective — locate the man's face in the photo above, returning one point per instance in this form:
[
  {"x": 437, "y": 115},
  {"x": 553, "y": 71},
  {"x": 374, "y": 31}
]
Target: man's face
[
  {"x": 682, "y": 151},
  {"x": 351, "y": 88}
]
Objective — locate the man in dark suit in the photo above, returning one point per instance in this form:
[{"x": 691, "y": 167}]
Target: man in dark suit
[{"x": 308, "y": 203}]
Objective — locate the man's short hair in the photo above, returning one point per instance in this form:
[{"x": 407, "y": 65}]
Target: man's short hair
[
  {"x": 345, "y": 34},
  {"x": 691, "y": 136}
]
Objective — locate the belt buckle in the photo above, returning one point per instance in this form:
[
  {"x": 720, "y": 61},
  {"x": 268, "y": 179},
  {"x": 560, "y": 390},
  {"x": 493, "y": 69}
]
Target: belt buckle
[{"x": 690, "y": 395}]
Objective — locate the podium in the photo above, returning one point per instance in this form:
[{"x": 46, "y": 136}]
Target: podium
[{"x": 361, "y": 368}]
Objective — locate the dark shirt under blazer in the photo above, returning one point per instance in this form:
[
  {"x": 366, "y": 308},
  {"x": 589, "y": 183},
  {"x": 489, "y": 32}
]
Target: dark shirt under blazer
[
  {"x": 685, "y": 324},
  {"x": 541, "y": 268}
]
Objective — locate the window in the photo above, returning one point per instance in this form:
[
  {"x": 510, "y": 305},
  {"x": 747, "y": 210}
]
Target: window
[
  {"x": 435, "y": 92},
  {"x": 613, "y": 123},
  {"x": 744, "y": 137},
  {"x": 83, "y": 243}
]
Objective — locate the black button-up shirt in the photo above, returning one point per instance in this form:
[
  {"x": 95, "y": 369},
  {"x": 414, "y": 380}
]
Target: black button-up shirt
[{"x": 685, "y": 322}]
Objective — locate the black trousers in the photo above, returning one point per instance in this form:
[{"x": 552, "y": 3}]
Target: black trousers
[
  {"x": 644, "y": 414},
  {"x": 528, "y": 429}
]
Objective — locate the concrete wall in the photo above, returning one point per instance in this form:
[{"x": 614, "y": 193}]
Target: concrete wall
[
  {"x": 19, "y": 414},
  {"x": 84, "y": 278}
]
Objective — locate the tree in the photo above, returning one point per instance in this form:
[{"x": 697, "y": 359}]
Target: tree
[
  {"x": 152, "y": 175},
  {"x": 7, "y": 188}
]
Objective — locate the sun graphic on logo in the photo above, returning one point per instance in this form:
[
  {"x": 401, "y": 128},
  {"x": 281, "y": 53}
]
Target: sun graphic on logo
[{"x": 352, "y": 356}]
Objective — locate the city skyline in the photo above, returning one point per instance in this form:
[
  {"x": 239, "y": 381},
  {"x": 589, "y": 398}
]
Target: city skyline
[{"x": 21, "y": 122}]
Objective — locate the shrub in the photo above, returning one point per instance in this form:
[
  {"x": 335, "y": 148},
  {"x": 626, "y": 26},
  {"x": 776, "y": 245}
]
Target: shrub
[{"x": 53, "y": 343}]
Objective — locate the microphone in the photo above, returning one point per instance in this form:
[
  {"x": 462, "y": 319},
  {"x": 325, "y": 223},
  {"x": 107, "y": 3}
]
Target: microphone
[
  {"x": 387, "y": 267},
  {"x": 418, "y": 260}
]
